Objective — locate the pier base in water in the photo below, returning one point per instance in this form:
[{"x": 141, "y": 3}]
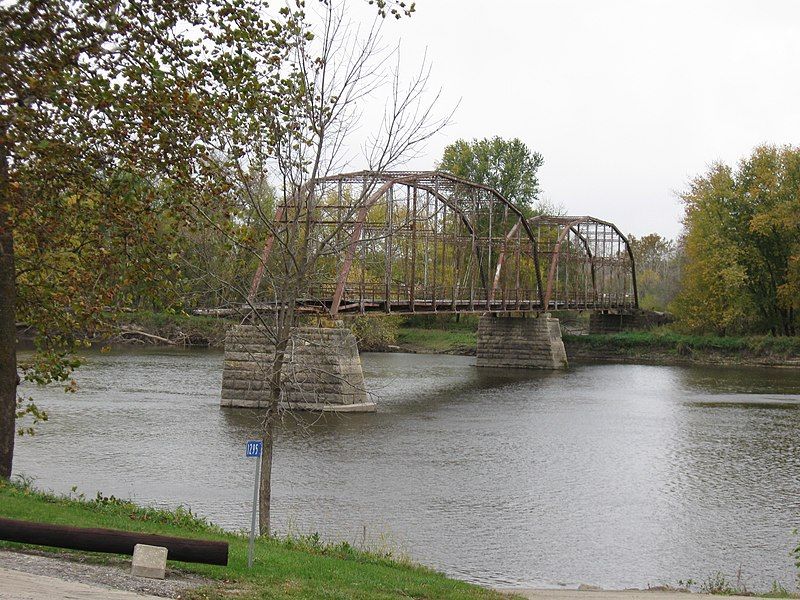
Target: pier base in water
[
  {"x": 322, "y": 370},
  {"x": 532, "y": 342}
]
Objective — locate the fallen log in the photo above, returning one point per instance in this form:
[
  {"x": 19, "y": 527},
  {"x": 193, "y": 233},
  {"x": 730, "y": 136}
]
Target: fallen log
[
  {"x": 149, "y": 336},
  {"x": 112, "y": 541}
]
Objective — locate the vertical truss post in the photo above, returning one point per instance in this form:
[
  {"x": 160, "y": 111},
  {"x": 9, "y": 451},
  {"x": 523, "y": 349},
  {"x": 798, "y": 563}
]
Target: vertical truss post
[
  {"x": 389, "y": 249},
  {"x": 413, "y": 251},
  {"x": 435, "y": 243}
]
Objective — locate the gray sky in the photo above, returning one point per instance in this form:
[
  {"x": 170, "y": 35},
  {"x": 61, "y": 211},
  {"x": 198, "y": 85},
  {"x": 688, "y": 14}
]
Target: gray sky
[{"x": 626, "y": 100}]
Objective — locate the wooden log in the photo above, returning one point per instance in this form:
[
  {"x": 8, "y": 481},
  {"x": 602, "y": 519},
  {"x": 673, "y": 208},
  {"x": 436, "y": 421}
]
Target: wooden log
[{"x": 112, "y": 541}]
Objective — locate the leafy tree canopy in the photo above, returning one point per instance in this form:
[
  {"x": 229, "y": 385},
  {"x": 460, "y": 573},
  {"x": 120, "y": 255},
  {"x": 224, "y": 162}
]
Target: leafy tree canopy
[
  {"x": 508, "y": 166},
  {"x": 742, "y": 241}
]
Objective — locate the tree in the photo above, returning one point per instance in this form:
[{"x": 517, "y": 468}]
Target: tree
[
  {"x": 345, "y": 67},
  {"x": 657, "y": 270},
  {"x": 112, "y": 115},
  {"x": 120, "y": 115},
  {"x": 508, "y": 166},
  {"x": 742, "y": 244}
]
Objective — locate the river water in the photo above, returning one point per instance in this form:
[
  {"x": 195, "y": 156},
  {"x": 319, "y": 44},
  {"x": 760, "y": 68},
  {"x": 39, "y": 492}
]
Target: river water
[{"x": 613, "y": 475}]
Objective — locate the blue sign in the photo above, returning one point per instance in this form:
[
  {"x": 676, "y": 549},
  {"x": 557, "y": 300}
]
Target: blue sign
[{"x": 253, "y": 448}]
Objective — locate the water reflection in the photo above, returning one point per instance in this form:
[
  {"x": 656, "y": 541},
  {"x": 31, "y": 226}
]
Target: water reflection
[{"x": 618, "y": 475}]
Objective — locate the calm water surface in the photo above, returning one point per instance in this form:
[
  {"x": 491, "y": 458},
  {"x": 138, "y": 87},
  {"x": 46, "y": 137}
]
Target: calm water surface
[{"x": 615, "y": 475}]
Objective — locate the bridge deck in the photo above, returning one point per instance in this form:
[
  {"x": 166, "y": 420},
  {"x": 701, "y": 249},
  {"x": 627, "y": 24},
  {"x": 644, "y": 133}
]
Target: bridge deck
[{"x": 368, "y": 307}]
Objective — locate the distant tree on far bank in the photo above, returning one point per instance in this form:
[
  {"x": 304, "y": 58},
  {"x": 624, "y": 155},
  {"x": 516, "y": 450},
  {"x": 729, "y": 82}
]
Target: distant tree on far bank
[
  {"x": 658, "y": 262},
  {"x": 508, "y": 166},
  {"x": 742, "y": 244}
]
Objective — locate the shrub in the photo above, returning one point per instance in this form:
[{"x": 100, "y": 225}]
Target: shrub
[
  {"x": 375, "y": 333},
  {"x": 717, "y": 584}
]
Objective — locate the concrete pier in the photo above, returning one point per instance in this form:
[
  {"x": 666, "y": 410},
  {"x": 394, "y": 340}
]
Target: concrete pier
[
  {"x": 322, "y": 370},
  {"x": 531, "y": 342}
]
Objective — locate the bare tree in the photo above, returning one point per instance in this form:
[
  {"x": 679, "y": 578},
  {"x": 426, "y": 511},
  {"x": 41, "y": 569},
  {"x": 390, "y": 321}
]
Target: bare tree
[{"x": 336, "y": 74}]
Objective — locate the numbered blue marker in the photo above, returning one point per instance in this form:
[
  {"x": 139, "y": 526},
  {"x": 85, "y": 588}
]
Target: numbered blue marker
[{"x": 253, "y": 448}]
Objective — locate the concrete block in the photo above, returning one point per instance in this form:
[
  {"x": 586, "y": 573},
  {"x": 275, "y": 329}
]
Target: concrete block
[
  {"x": 323, "y": 369},
  {"x": 149, "y": 561},
  {"x": 511, "y": 342}
]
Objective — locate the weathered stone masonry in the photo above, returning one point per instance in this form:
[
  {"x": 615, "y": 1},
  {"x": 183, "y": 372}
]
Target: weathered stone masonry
[
  {"x": 322, "y": 370},
  {"x": 532, "y": 342}
]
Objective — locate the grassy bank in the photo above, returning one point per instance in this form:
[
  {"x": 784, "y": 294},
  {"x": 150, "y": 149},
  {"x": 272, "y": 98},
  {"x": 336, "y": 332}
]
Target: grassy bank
[
  {"x": 657, "y": 346},
  {"x": 667, "y": 346},
  {"x": 295, "y": 568},
  {"x": 436, "y": 341},
  {"x": 438, "y": 334}
]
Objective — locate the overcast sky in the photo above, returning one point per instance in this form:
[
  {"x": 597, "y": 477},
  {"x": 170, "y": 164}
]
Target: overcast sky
[{"x": 626, "y": 100}]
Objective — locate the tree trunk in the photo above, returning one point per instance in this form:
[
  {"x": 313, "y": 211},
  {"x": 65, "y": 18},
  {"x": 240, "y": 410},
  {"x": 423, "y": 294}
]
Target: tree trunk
[
  {"x": 265, "y": 485},
  {"x": 8, "y": 323},
  {"x": 268, "y": 433}
]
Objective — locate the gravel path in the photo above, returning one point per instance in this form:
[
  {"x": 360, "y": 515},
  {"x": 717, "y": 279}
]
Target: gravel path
[
  {"x": 16, "y": 585},
  {"x": 113, "y": 573}
]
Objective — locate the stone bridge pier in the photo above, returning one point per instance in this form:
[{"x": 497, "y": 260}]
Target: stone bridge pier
[
  {"x": 528, "y": 342},
  {"x": 322, "y": 370}
]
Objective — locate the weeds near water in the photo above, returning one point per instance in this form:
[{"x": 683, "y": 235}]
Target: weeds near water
[
  {"x": 778, "y": 591},
  {"x": 718, "y": 584},
  {"x": 384, "y": 551},
  {"x": 686, "y": 585},
  {"x": 23, "y": 482}
]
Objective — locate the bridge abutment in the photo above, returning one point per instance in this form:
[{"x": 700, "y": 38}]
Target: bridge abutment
[
  {"x": 322, "y": 370},
  {"x": 532, "y": 342}
]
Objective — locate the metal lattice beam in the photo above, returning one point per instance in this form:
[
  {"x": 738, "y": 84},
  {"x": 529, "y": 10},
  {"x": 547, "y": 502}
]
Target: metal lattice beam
[{"x": 429, "y": 242}]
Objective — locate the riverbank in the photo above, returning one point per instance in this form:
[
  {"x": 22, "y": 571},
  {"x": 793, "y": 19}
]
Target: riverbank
[
  {"x": 666, "y": 347},
  {"x": 291, "y": 568},
  {"x": 445, "y": 335},
  {"x": 648, "y": 347}
]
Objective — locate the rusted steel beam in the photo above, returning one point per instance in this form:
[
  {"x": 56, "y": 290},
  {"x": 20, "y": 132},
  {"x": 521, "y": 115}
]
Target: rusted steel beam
[
  {"x": 259, "y": 274},
  {"x": 554, "y": 265},
  {"x": 355, "y": 236}
]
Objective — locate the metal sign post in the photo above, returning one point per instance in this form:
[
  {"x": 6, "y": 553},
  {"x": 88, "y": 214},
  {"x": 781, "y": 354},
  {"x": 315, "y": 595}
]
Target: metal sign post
[{"x": 253, "y": 451}]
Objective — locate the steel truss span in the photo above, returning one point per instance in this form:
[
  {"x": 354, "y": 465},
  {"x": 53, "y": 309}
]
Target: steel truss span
[{"x": 430, "y": 242}]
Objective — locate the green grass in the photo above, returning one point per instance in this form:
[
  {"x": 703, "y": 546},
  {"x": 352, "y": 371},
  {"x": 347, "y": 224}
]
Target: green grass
[
  {"x": 438, "y": 334},
  {"x": 284, "y": 568},
  {"x": 664, "y": 340},
  {"x": 436, "y": 340}
]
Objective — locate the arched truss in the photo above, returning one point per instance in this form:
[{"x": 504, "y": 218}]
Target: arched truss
[{"x": 430, "y": 242}]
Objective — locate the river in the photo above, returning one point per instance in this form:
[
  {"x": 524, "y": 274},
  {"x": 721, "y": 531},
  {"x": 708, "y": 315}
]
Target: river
[{"x": 613, "y": 475}]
